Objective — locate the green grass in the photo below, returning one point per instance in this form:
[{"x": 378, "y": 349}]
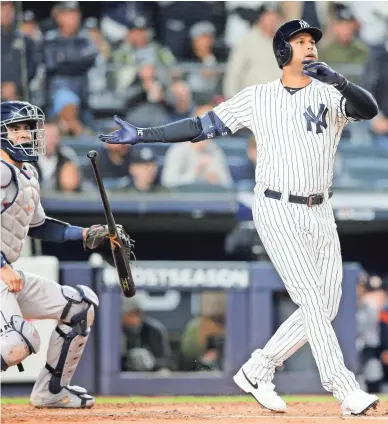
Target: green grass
[{"x": 185, "y": 399}]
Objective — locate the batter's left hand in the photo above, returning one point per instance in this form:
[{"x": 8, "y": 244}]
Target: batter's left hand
[{"x": 322, "y": 72}]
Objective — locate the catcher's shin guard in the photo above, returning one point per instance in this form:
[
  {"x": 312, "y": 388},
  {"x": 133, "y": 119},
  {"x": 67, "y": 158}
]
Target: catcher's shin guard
[
  {"x": 71, "y": 351},
  {"x": 67, "y": 343}
]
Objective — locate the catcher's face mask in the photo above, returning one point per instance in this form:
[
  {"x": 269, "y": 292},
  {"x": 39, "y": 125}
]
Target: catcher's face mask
[{"x": 22, "y": 135}]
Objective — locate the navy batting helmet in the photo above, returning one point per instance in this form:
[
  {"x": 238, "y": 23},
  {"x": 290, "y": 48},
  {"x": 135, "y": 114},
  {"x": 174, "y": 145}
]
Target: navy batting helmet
[
  {"x": 16, "y": 112},
  {"x": 281, "y": 46}
]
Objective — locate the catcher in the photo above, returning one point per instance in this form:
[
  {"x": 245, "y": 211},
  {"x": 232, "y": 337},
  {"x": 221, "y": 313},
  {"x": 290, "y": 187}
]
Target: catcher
[{"x": 27, "y": 296}]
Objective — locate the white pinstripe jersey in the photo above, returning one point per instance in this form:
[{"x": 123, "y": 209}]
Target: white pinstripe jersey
[{"x": 296, "y": 134}]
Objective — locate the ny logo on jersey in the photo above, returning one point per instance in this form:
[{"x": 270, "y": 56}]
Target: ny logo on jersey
[{"x": 319, "y": 121}]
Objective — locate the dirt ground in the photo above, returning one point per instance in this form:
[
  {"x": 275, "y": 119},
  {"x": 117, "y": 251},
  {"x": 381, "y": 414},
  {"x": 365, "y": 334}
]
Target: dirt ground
[{"x": 190, "y": 413}]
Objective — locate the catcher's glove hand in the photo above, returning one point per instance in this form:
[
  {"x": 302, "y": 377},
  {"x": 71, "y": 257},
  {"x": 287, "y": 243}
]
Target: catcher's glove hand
[{"x": 97, "y": 239}]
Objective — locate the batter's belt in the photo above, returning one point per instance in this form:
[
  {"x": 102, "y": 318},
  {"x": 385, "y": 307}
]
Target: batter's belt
[{"x": 312, "y": 200}]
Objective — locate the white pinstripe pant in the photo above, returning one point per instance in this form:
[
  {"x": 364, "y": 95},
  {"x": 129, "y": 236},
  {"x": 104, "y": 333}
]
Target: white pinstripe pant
[{"x": 304, "y": 247}]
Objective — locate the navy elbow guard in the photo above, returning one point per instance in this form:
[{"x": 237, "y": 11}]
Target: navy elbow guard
[{"x": 212, "y": 126}]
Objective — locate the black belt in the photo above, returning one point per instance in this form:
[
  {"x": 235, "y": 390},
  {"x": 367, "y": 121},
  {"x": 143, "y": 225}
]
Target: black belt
[{"x": 313, "y": 199}]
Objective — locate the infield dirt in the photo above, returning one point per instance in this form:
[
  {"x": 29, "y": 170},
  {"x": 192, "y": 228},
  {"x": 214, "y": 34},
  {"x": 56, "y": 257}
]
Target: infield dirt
[{"x": 191, "y": 413}]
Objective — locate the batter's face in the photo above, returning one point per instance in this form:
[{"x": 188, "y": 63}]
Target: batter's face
[
  {"x": 19, "y": 133},
  {"x": 303, "y": 48}
]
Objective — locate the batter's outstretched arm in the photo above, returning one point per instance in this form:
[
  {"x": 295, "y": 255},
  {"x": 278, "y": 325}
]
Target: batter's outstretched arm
[{"x": 190, "y": 129}]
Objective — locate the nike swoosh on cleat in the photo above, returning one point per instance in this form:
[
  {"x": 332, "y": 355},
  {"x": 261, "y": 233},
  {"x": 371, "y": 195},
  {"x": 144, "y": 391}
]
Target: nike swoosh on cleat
[{"x": 255, "y": 386}]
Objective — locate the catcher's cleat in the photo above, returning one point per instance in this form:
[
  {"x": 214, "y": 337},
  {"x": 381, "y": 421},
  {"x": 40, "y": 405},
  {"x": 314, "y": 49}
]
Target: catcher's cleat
[{"x": 68, "y": 397}]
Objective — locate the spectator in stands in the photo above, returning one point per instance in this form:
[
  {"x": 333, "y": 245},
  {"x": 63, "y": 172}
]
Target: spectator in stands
[
  {"x": 368, "y": 313},
  {"x": 69, "y": 53},
  {"x": 344, "y": 48},
  {"x": 114, "y": 160},
  {"x": 240, "y": 15},
  {"x": 11, "y": 55},
  {"x": 58, "y": 169},
  {"x": 144, "y": 170},
  {"x": 30, "y": 27},
  {"x": 252, "y": 61},
  {"x": 117, "y": 15},
  {"x": 175, "y": 18},
  {"x": 239, "y": 19},
  {"x": 179, "y": 100},
  {"x": 202, "y": 342},
  {"x": 98, "y": 75},
  {"x": 375, "y": 80},
  {"x": 373, "y": 17},
  {"x": 145, "y": 344},
  {"x": 91, "y": 24},
  {"x": 203, "y": 75},
  {"x": 152, "y": 88},
  {"x": 196, "y": 163},
  {"x": 143, "y": 76},
  {"x": 316, "y": 13},
  {"x": 137, "y": 50},
  {"x": 146, "y": 98}
]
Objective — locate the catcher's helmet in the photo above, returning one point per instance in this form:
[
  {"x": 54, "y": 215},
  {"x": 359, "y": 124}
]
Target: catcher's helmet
[
  {"x": 281, "y": 46},
  {"x": 14, "y": 112}
]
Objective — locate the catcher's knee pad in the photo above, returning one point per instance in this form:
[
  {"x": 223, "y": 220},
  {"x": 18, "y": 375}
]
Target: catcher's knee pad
[
  {"x": 81, "y": 301},
  {"x": 77, "y": 318},
  {"x": 20, "y": 340}
]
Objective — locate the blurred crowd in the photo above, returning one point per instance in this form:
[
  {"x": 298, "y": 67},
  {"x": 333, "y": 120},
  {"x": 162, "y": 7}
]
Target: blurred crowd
[
  {"x": 197, "y": 345},
  {"x": 154, "y": 62},
  {"x": 372, "y": 324}
]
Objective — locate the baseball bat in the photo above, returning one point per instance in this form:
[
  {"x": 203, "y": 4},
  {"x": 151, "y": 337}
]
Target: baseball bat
[{"x": 122, "y": 264}]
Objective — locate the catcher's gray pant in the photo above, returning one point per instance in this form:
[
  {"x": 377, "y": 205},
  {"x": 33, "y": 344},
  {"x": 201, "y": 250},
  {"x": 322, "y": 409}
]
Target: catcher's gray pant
[
  {"x": 42, "y": 298},
  {"x": 303, "y": 245}
]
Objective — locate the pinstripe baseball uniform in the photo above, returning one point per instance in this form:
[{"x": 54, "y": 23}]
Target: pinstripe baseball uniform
[{"x": 297, "y": 133}]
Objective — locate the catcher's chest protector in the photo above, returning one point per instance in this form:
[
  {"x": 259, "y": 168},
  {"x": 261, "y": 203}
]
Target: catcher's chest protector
[{"x": 18, "y": 208}]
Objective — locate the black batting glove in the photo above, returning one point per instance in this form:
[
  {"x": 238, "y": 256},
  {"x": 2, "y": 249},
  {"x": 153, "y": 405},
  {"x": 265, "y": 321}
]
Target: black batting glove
[{"x": 322, "y": 72}]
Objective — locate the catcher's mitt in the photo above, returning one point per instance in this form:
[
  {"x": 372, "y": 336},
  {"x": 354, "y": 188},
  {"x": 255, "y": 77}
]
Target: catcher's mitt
[{"x": 97, "y": 239}]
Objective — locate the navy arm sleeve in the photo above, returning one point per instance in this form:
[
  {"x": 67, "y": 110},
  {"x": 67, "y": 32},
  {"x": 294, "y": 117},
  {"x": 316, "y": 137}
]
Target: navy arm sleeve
[
  {"x": 179, "y": 131},
  {"x": 360, "y": 104},
  {"x": 190, "y": 129},
  {"x": 56, "y": 231}
]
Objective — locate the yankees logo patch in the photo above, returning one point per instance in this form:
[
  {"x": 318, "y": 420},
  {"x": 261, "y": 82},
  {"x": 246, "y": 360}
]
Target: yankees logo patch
[
  {"x": 303, "y": 24},
  {"x": 319, "y": 120}
]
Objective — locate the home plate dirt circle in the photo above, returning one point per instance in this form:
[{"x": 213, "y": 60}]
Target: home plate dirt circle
[{"x": 192, "y": 413}]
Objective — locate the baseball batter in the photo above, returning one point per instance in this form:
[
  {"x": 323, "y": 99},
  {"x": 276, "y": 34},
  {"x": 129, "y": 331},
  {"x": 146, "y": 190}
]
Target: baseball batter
[
  {"x": 297, "y": 122},
  {"x": 26, "y": 296}
]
